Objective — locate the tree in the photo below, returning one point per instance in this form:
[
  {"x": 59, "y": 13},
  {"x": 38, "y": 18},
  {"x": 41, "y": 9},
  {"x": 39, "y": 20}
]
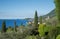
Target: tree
[
  {"x": 15, "y": 26},
  {"x": 35, "y": 30},
  {"x": 57, "y": 4},
  {"x": 43, "y": 29},
  {"x": 3, "y": 26},
  {"x": 40, "y": 19},
  {"x": 36, "y": 19}
]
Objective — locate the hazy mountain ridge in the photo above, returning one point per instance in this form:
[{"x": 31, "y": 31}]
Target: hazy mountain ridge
[{"x": 50, "y": 14}]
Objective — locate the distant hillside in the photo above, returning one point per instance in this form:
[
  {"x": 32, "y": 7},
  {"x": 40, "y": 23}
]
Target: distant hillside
[
  {"x": 29, "y": 19},
  {"x": 50, "y": 14}
]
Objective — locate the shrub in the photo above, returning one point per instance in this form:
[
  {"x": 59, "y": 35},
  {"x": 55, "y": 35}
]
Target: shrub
[
  {"x": 58, "y": 37},
  {"x": 41, "y": 30},
  {"x": 9, "y": 29}
]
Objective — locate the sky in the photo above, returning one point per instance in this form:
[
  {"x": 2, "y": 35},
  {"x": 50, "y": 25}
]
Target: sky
[{"x": 20, "y": 9}]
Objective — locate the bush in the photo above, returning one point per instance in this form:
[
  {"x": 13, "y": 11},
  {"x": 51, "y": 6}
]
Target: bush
[
  {"x": 43, "y": 29},
  {"x": 58, "y": 37},
  {"x": 32, "y": 37},
  {"x": 9, "y": 29}
]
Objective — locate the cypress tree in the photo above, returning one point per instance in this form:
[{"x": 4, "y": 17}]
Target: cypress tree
[
  {"x": 40, "y": 19},
  {"x": 3, "y": 26},
  {"x": 57, "y": 4},
  {"x": 36, "y": 19},
  {"x": 15, "y": 26}
]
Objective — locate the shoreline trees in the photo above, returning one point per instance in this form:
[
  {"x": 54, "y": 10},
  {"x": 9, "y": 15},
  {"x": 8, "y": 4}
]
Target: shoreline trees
[{"x": 4, "y": 26}]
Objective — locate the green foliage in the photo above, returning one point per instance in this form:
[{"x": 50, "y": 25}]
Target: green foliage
[
  {"x": 53, "y": 32},
  {"x": 17, "y": 35},
  {"x": 58, "y": 37},
  {"x": 3, "y": 26},
  {"x": 58, "y": 30},
  {"x": 40, "y": 19},
  {"x": 15, "y": 26},
  {"x": 9, "y": 29},
  {"x": 41, "y": 30},
  {"x": 36, "y": 19},
  {"x": 32, "y": 37},
  {"x": 26, "y": 31},
  {"x": 28, "y": 37},
  {"x": 57, "y": 4}
]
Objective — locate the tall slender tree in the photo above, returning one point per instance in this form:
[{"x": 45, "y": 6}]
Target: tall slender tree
[
  {"x": 36, "y": 19},
  {"x": 57, "y": 4},
  {"x": 3, "y": 26},
  {"x": 15, "y": 26},
  {"x": 40, "y": 19}
]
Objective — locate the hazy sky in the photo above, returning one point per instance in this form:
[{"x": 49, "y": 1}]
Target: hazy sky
[{"x": 18, "y": 9}]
